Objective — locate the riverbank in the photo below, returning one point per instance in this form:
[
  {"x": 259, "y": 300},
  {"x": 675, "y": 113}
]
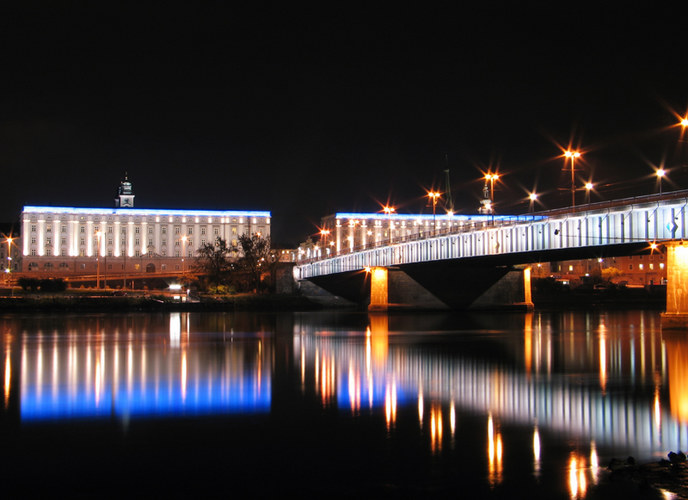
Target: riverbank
[
  {"x": 554, "y": 295},
  {"x": 111, "y": 303}
]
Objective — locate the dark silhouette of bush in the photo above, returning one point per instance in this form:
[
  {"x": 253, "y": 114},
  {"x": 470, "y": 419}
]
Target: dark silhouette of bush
[{"x": 48, "y": 285}]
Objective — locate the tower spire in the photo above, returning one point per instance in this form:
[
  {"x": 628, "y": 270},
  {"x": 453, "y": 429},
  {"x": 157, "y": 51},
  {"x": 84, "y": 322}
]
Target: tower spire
[{"x": 125, "y": 193}]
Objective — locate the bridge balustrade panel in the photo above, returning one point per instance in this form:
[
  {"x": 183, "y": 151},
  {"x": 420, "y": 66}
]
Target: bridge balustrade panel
[{"x": 618, "y": 225}]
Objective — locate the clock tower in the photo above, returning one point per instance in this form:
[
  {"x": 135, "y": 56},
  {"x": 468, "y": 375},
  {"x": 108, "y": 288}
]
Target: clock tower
[{"x": 125, "y": 194}]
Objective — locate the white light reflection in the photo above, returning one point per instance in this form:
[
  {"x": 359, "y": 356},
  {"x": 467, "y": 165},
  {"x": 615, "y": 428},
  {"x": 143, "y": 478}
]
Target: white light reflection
[
  {"x": 494, "y": 453},
  {"x": 536, "y": 451}
]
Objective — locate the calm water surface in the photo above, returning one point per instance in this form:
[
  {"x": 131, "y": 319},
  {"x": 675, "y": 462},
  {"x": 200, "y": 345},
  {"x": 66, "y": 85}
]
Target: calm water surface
[{"x": 337, "y": 403}]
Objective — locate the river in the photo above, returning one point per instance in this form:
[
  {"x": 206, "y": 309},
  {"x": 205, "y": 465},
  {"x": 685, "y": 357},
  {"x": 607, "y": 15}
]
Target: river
[{"x": 337, "y": 403}]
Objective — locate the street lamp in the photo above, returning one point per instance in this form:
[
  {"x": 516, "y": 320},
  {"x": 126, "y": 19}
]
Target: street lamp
[
  {"x": 588, "y": 188},
  {"x": 573, "y": 155},
  {"x": 9, "y": 240},
  {"x": 98, "y": 236},
  {"x": 433, "y": 196},
  {"x": 184, "y": 238},
  {"x": 660, "y": 175},
  {"x": 491, "y": 178},
  {"x": 389, "y": 210},
  {"x": 533, "y": 198}
]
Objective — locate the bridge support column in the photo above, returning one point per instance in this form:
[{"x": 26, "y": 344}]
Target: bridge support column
[
  {"x": 513, "y": 290},
  {"x": 676, "y": 315},
  {"x": 379, "y": 295}
]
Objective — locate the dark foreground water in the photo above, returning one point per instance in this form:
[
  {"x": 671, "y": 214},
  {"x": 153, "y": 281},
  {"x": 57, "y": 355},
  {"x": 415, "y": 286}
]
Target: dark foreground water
[{"x": 337, "y": 404}]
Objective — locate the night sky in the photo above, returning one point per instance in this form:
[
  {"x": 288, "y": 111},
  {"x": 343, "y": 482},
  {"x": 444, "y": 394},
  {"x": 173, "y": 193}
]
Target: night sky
[{"x": 308, "y": 111}]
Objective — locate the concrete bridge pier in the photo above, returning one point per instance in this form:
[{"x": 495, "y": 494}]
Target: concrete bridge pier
[
  {"x": 396, "y": 288},
  {"x": 676, "y": 315}
]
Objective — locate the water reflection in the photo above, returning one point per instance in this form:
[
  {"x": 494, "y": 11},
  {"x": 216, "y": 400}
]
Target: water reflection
[
  {"x": 107, "y": 368},
  {"x": 554, "y": 386},
  {"x": 602, "y": 381}
]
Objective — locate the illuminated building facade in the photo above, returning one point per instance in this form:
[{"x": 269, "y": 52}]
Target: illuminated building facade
[{"x": 68, "y": 240}]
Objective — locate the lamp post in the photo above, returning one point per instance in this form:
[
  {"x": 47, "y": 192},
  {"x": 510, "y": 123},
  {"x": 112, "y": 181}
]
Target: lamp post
[
  {"x": 389, "y": 210},
  {"x": 9, "y": 259},
  {"x": 98, "y": 236},
  {"x": 533, "y": 198},
  {"x": 573, "y": 155},
  {"x": 433, "y": 196},
  {"x": 588, "y": 188},
  {"x": 660, "y": 175},
  {"x": 324, "y": 233},
  {"x": 184, "y": 238},
  {"x": 491, "y": 178}
]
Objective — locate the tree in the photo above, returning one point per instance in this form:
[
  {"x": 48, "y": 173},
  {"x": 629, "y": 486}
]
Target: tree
[
  {"x": 255, "y": 258},
  {"x": 213, "y": 261}
]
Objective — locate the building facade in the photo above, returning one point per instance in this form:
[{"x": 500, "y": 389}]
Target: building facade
[{"x": 75, "y": 241}]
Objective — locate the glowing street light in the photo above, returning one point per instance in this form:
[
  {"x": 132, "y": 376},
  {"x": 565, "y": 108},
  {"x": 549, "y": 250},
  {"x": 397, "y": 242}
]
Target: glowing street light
[
  {"x": 184, "y": 239},
  {"x": 660, "y": 175},
  {"x": 434, "y": 196},
  {"x": 99, "y": 234},
  {"x": 324, "y": 233},
  {"x": 491, "y": 178},
  {"x": 588, "y": 187},
  {"x": 9, "y": 240},
  {"x": 389, "y": 211},
  {"x": 533, "y": 198},
  {"x": 573, "y": 155}
]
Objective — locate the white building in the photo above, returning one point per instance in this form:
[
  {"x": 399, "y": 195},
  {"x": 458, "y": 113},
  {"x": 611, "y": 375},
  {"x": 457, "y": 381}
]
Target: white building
[{"x": 71, "y": 240}]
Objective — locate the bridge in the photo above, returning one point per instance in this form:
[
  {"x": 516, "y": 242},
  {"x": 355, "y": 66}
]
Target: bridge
[{"x": 434, "y": 265}]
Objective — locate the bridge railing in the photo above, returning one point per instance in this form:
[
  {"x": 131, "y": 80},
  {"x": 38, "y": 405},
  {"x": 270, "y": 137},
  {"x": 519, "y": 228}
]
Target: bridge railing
[{"x": 464, "y": 227}]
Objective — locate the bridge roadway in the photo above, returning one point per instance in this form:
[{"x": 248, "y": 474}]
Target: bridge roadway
[{"x": 617, "y": 226}]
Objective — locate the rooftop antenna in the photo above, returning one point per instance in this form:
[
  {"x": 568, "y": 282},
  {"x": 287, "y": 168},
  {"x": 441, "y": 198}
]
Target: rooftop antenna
[{"x": 447, "y": 190}]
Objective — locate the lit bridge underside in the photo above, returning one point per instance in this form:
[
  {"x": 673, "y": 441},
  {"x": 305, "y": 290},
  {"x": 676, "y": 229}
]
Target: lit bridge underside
[{"x": 602, "y": 227}]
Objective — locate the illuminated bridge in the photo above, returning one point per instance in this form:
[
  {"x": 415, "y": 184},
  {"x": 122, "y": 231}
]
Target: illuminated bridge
[{"x": 482, "y": 250}]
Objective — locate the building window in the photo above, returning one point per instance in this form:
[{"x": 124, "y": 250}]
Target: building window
[
  {"x": 63, "y": 229},
  {"x": 177, "y": 229},
  {"x": 137, "y": 229},
  {"x": 82, "y": 229},
  {"x": 190, "y": 230},
  {"x": 33, "y": 228},
  {"x": 216, "y": 230},
  {"x": 203, "y": 230},
  {"x": 150, "y": 230},
  {"x": 163, "y": 230},
  {"x": 109, "y": 229},
  {"x": 630, "y": 267}
]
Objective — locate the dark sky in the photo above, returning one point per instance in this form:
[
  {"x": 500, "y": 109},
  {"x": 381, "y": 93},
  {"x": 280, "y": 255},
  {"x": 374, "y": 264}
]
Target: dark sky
[{"x": 308, "y": 111}]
